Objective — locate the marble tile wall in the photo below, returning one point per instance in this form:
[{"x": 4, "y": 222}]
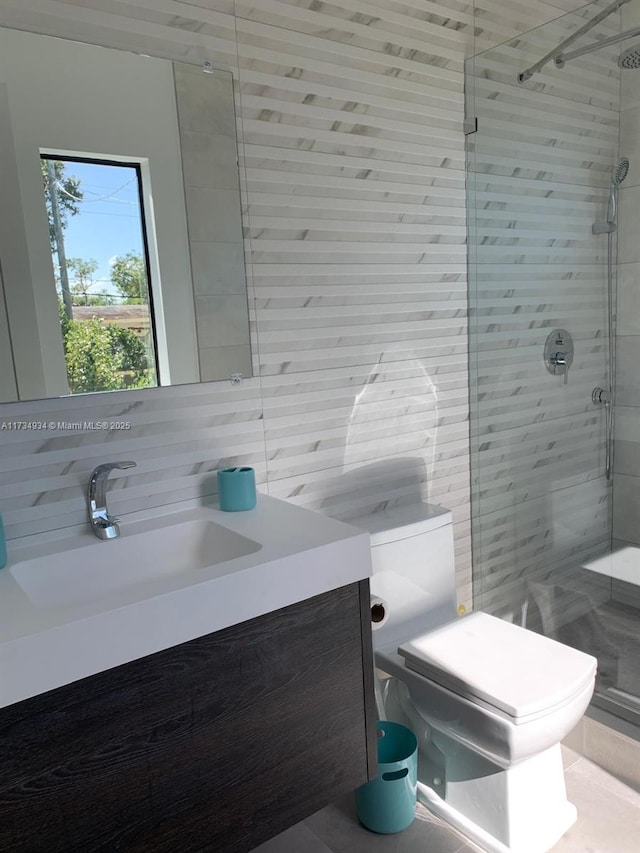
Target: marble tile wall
[
  {"x": 626, "y": 494},
  {"x": 352, "y": 171},
  {"x": 540, "y": 166}
]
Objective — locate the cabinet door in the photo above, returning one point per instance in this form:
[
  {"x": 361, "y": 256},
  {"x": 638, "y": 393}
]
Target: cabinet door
[{"x": 214, "y": 745}]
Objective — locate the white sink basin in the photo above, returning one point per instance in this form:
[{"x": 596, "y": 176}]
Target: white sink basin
[
  {"x": 72, "y": 605},
  {"x": 91, "y": 571}
]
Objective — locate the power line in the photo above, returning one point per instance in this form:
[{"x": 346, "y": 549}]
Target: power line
[{"x": 100, "y": 198}]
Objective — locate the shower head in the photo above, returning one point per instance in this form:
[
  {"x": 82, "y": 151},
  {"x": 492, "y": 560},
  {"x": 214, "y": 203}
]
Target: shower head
[
  {"x": 620, "y": 170},
  {"x": 618, "y": 174},
  {"x": 630, "y": 58}
]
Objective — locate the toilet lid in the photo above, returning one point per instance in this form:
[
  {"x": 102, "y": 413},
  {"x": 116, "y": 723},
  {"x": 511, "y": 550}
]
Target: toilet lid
[{"x": 507, "y": 667}]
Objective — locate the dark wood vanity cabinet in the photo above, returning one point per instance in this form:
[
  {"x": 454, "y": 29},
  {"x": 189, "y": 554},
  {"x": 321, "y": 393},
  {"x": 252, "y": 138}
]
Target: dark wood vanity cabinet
[{"x": 213, "y": 745}]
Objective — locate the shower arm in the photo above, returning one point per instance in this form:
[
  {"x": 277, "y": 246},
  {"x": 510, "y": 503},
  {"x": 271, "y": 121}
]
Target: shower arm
[
  {"x": 557, "y": 51},
  {"x": 561, "y": 58}
]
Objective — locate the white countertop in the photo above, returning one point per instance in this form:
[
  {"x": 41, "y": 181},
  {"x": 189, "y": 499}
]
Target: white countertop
[{"x": 302, "y": 554}]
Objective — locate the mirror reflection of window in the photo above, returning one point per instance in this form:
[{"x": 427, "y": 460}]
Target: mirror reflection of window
[
  {"x": 100, "y": 259},
  {"x": 57, "y": 99}
]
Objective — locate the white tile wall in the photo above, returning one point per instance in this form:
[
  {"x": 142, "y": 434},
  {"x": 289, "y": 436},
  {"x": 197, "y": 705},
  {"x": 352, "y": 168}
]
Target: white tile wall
[
  {"x": 628, "y": 245},
  {"x": 499, "y": 20},
  {"x": 628, "y": 299},
  {"x": 629, "y": 88},
  {"x": 352, "y": 160},
  {"x": 630, "y": 141}
]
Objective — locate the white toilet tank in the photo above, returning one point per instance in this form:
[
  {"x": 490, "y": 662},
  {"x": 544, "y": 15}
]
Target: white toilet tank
[{"x": 413, "y": 570}]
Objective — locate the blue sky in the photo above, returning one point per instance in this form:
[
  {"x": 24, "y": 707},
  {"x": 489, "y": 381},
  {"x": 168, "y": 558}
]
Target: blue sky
[{"x": 108, "y": 223}]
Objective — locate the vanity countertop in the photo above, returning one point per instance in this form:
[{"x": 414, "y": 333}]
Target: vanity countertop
[{"x": 49, "y": 636}]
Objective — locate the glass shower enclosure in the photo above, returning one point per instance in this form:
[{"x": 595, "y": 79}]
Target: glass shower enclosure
[{"x": 556, "y": 542}]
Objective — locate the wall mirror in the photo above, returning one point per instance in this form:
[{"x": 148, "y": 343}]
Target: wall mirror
[{"x": 121, "y": 253}]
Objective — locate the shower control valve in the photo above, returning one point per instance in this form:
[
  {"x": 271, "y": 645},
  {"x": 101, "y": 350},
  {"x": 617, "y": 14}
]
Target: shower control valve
[{"x": 558, "y": 353}]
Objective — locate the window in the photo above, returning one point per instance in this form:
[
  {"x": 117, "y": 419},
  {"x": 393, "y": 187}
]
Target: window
[{"x": 100, "y": 258}]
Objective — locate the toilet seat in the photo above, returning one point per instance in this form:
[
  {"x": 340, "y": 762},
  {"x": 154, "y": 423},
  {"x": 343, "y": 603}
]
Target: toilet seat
[{"x": 514, "y": 672}]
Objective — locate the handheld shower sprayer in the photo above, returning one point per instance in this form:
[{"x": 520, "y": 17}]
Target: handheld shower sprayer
[{"x": 618, "y": 174}]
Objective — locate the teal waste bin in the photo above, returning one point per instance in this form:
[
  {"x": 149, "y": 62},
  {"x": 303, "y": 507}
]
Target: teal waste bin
[{"x": 388, "y": 803}]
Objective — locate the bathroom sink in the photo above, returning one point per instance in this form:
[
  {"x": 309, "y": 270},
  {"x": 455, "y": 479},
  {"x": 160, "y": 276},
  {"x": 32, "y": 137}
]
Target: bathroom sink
[
  {"x": 72, "y": 605},
  {"x": 96, "y": 569}
]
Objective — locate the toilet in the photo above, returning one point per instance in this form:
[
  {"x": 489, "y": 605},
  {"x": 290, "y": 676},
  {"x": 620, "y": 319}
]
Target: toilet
[{"x": 489, "y": 701}]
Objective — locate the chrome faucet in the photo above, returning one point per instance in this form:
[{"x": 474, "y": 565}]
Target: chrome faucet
[{"x": 102, "y": 524}]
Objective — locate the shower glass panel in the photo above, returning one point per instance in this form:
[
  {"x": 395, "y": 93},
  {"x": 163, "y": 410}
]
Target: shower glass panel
[{"x": 538, "y": 176}]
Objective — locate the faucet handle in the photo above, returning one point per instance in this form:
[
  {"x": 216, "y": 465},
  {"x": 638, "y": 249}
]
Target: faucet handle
[{"x": 103, "y": 525}]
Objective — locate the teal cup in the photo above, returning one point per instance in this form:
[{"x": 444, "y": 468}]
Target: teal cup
[
  {"x": 236, "y": 489},
  {"x": 387, "y": 804}
]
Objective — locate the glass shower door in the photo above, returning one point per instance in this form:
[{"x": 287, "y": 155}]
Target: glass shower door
[{"x": 538, "y": 177}]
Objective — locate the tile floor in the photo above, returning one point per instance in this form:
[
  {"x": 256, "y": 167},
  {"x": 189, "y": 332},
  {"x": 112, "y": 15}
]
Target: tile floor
[{"x": 608, "y": 822}]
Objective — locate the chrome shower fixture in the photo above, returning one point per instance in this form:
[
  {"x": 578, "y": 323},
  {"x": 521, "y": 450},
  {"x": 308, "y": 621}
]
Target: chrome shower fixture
[
  {"x": 620, "y": 170},
  {"x": 606, "y": 396},
  {"x": 630, "y": 58},
  {"x": 560, "y": 58},
  {"x": 618, "y": 174}
]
